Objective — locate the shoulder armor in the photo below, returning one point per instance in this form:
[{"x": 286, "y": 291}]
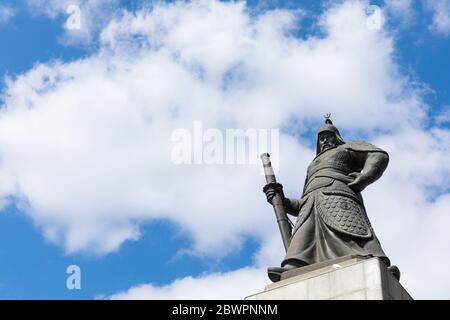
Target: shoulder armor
[{"x": 363, "y": 146}]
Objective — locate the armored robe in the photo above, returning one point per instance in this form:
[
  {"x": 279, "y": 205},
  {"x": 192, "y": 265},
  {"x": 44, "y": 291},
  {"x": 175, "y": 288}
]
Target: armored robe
[{"x": 332, "y": 221}]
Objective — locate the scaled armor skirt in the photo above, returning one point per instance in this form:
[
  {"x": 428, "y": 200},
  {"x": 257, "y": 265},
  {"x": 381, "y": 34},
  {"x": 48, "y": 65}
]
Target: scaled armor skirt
[{"x": 332, "y": 223}]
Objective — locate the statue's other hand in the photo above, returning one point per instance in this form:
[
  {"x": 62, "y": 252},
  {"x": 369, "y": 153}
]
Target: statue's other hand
[
  {"x": 358, "y": 184},
  {"x": 271, "y": 190}
]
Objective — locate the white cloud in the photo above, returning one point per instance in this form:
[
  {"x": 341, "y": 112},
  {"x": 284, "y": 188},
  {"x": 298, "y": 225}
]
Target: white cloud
[
  {"x": 234, "y": 285},
  {"x": 231, "y": 285},
  {"x": 409, "y": 209},
  {"x": 441, "y": 16},
  {"x": 86, "y": 145},
  {"x": 6, "y": 13}
]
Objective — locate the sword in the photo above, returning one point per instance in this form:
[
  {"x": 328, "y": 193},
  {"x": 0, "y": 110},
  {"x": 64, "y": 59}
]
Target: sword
[{"x": 277, "y": 201}]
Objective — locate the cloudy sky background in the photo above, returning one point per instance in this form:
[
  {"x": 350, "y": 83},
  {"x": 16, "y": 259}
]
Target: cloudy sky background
[{"x": 87, "y": 116}]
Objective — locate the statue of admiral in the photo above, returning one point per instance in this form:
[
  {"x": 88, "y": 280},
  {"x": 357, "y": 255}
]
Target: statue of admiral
[{"x": 331, "y": 217}]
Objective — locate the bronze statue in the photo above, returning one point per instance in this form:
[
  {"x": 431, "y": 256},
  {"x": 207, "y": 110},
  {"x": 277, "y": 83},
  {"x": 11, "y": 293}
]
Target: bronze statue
[{"x": 331, "y": 217}]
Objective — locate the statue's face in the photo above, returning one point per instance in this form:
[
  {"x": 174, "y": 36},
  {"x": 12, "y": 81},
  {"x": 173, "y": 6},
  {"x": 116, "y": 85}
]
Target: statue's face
[{"x": 327, "y": 140}]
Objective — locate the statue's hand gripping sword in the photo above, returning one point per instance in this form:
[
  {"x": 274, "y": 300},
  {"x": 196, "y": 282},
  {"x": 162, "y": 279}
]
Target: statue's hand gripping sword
[{"x": 277, "y": 200}]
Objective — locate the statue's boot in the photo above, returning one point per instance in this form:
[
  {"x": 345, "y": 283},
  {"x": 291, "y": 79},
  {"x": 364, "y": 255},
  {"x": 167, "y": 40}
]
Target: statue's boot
[
  {"x": 274, "y": 273},
  {"x": 395, "y": 271}
]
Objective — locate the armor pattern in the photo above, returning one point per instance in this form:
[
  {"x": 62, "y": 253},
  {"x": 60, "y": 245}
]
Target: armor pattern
[
  {"x": 337, "y": 158},
  {"x": 343, "y": 214},
  {"x": 363, "y": 146}
]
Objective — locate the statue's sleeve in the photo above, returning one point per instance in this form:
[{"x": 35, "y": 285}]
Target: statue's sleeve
[
  {"x": 292, "y": 206},
  {"x": 369, "y": 159}
]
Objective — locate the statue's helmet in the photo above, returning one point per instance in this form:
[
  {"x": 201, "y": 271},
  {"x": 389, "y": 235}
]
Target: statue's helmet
[{"x": 328, "y": 127}]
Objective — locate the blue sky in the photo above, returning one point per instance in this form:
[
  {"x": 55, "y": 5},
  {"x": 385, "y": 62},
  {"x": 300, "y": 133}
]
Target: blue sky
[
  {"x": 40, "y": 239},
  {"x": 36, "y": 269}
]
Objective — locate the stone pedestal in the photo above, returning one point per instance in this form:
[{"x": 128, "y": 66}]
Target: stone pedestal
[{"x": 346, "y": 278}]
